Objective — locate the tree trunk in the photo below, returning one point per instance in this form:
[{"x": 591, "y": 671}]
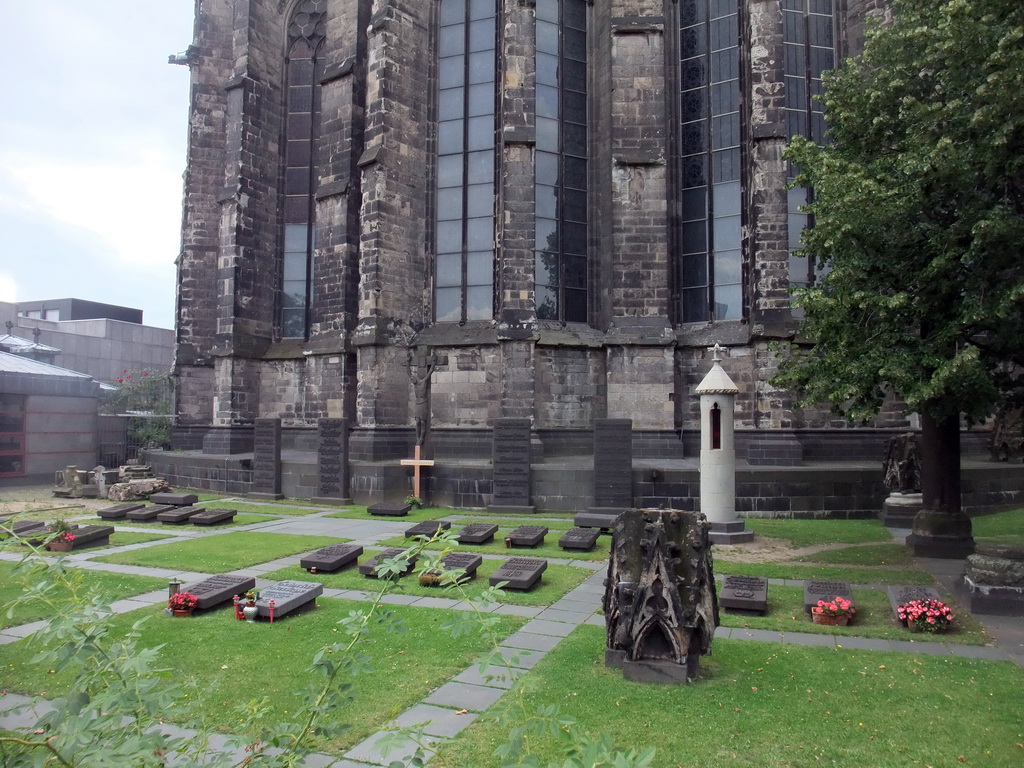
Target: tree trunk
[{"x": 941, "y": 529}]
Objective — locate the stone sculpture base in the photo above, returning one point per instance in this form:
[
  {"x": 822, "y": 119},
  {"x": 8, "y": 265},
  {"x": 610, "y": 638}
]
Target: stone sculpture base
[{"x": 899, "y": 510}]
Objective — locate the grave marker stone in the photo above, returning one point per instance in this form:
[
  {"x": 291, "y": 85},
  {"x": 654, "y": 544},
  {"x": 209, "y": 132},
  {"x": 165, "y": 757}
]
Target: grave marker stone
[
  {"x": 266, "y": 473},
  {"x": 744, "y": 593},
  {"x": 213, "y": 516},
  {"x": 428, "y": 528},
  {"x": 332, "y": 558},
  {"x": 389, "y": 509},
  {"x": 332, "y": 462},
  {"x": 526, "y": 536},
  {"x": 178, "y": 515},
  {"x": 904, "y": 594},
  {"x": 369, "y": 566},
  {"x": 613, "y": 473},
  {"x": 150, "y": 513},
  {"x": 825, "y": 590},
  {"x": 174, "y": 499},
  {"x": 579, "y": 538},
  {"x": 287, "y": 596},
  {"x": 477, "y": 533},
  {"x": 521, "y": 573},
  {"x": 464, "y": 561},
  {"x": 118, "y": 511},
  {"x": 511, "y": 467},
  {"x": 219, "y": 589}
]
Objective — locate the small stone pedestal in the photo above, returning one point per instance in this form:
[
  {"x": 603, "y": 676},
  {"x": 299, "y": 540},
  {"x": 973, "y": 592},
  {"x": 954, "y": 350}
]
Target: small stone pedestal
[{"x": 899, "y": 510}]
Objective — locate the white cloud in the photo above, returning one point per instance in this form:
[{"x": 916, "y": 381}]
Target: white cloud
[{"x": 8, "y": 288}]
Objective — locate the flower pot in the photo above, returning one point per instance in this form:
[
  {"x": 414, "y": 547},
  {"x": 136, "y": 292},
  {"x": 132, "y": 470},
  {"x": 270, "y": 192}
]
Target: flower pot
[
  {"x": 250, "y": 612},
  {"x": 830, "y": 621},
  {"x": 179, "y": 612},
  {"x": 60, "y": 546}
]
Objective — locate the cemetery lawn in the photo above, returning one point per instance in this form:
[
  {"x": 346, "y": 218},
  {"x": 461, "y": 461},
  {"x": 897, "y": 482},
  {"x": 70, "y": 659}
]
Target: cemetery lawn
[
  {"x": 555, "y": 524},
  {"x": 236, "y": 521},
  {"x": 548, "y": 549},
  {"x": 232, "y": 662},
  {"x": 874, "y": 619},
  {"x": 807, "y": 533},
  {"x": 220, "y": 554},
  {"x": 414, "y": 516},
  {"x": 555, "y": 582},
  {"x": 774, "y": 706},
  {"x": 270, "y": 508},
  {"x": 862, "y": 575},
  {"x": 891, "y": 554},
  {"x": 112, "y": 586},
  {"x": 1000, "y": 528}
]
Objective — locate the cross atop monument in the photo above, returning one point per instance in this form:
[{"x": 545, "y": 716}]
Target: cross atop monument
[
  {"x": 416, "y": 462},
  {"x": 716, "y": 352}
]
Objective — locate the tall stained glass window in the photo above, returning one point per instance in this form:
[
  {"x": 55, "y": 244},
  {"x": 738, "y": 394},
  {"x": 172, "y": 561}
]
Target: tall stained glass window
[
  {"x": 809, "y": 42},
  {"x": 560, "y": 192},
  {"x": 467, "y": 54},
  {"x": 710, "y": 260},
  {"x": 302, "y": 121}
]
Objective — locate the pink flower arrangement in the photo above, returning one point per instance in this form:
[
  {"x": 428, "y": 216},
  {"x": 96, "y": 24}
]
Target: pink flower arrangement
[
  {"x": 839, "y": 606},
  {"x": 927, "y": 615},
  {"x": 182, "y": 601}
]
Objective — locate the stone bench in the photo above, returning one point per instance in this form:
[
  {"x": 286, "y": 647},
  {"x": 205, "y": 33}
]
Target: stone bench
[
  {"x": 178, "y": 515},
  {"x": 219, "y": 589},
  {"x": 287, "y": 597},
  {"x": 332, "y": 558},
  {"x": 213, "y": 516},
  {"x": 118, "y": 511}
]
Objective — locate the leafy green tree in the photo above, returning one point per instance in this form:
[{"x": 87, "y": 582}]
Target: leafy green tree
[{"x": 919, "y": 215}]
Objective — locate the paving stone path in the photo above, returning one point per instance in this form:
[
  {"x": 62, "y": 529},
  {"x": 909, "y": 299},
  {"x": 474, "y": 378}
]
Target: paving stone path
[{"x": 460, "y": 701}]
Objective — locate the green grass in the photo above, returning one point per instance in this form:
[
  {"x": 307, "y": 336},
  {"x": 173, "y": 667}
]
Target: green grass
[
  {"x": 1002, "y": 527},
  {"x": 414, "y": 516},
  {"x": 548, "y": 549},
  {"x": 891, "y": 555},
  {"x": 776, "y": 706},
  {"x": 232, "y": 662},
  {"x": 112, "y": 586},
  {"x": 807, "y": 533},
  {"x": 561, "y": 521},
  {"x": 836, "y": 573},
  {"x": 874, "y": 619},
  {"x": 220, "y": 554},
  {"x": 555, "y": 582},
  {"x": 270, "y": 509},
  {"x": 204, "y": 495},
  {"x": 236, "y": 522}
]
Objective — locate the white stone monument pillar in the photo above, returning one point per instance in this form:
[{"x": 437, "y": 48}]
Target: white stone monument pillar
[{"x": 718, "y": 455}]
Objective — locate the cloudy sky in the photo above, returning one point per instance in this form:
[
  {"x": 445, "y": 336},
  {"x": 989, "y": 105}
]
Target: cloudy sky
[{"x": 93, "y": 130}]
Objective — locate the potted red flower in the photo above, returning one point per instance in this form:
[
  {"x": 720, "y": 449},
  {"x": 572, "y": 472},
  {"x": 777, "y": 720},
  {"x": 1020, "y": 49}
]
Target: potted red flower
[
  {"x": 925, "y": 615},
  {"x": 836, "y": 612},
  {"x": 182, "y": 603}
]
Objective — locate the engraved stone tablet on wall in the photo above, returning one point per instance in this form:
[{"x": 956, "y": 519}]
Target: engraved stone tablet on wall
[
  {"x": 332, "y": 462},
  {"x": 511, "y": 466},
  {"x": 266, "y": 474},
  {"x": 613, "y": 473}
]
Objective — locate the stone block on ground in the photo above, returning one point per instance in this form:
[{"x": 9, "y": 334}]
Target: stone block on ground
[
  {"x": 521, "y": 573},
  {"x": 369, "y": 566},
  {"x": 118, "y": 511},
  {"x": 526, "y": 536},
  {"x": 477, "y": 533},
  {"x": 178, "y": 515},
  {"x": 820, "y": 589},
  {"x": 389, "y": 509},
  {"x": 92, "y": 536},
  {"x": 744, "y": 593},
  {"x": 428, "y": 528},
  {"x": 174, "y": 499},
  {"x": 136, "y": 490},
  {"x": 584, "y": 539},
  {"x": 332, "y": 558},
  {"x": 219, "y": 589},
  {"x": 287, "y": 597},
  {"x": 213, "y": 516},
  {"x": 149, "y": 513}
]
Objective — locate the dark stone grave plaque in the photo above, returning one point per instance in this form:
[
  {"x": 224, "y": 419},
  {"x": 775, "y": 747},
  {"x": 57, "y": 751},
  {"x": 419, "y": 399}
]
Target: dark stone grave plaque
[
  {"x": 369, "y": 566},
  {"x": 465, "y": 561},
  {"x": 178, "y": 515},
  {"x": 25, "y": 528},
  {"x": 904, "y": 594},
  {"x": 428, "y": 528},
  {"x": 287, "y": 596},
  {"x": 521, "y": 573},
  {"x": 332, "y": 462},
  {"x": 266, "y": 472},
  {"x": 219, "y": 589},
  {"x": 213, "y": 516},
  {"x": 613, "y": 473},
  {"x": 118, "y": 511},
  {"x": 511, "y": 467},
  {"x": 151, "y": 512},
  {"x": 174, "y": 499},
  {"x": 744, "y": 593},
  {"x": 579, "y": 538},
  {"x": 825, "y": 590},
  {"x": 526, "y": 536},
  {"x": 332, "y": 558},
  {"x": 477, "y": 533},
  {"x": 92, "y": 536},
  {"x": 389, "y": 509}
]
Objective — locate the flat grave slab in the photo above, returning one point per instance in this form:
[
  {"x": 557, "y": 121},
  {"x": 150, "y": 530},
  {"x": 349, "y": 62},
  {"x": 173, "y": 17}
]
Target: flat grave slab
[
  {"x": 745, "y": 593},
  {"x": 428, "y": 528},
  {"x": 219, "y": 589},
  {"x": 369, "y": 566},
  {"x": 526, "y": 536},
  {"x": 389, "y": 509},
  {"x": 25, "y": 527},
  {"x": 816, "y": 590},
  {"x": 580, "y": 538},
  {"x": 521, "y": 573},
  {"x": 332, "y": 558},
  {"x": 91, "y": 535},
  {"x": 465, "y": 561},
  {"x": 213, "y": 516},
  {"x": 178, "y": 515},
  {"x": 287, "y": 596},
  {"x": 904, "y": 594},
  {"x": 149, "y": 513},
  {"x": 174, "y": 499},
  {"x": 477, "y": 533},
  {"x": 118, "y": 511}
]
